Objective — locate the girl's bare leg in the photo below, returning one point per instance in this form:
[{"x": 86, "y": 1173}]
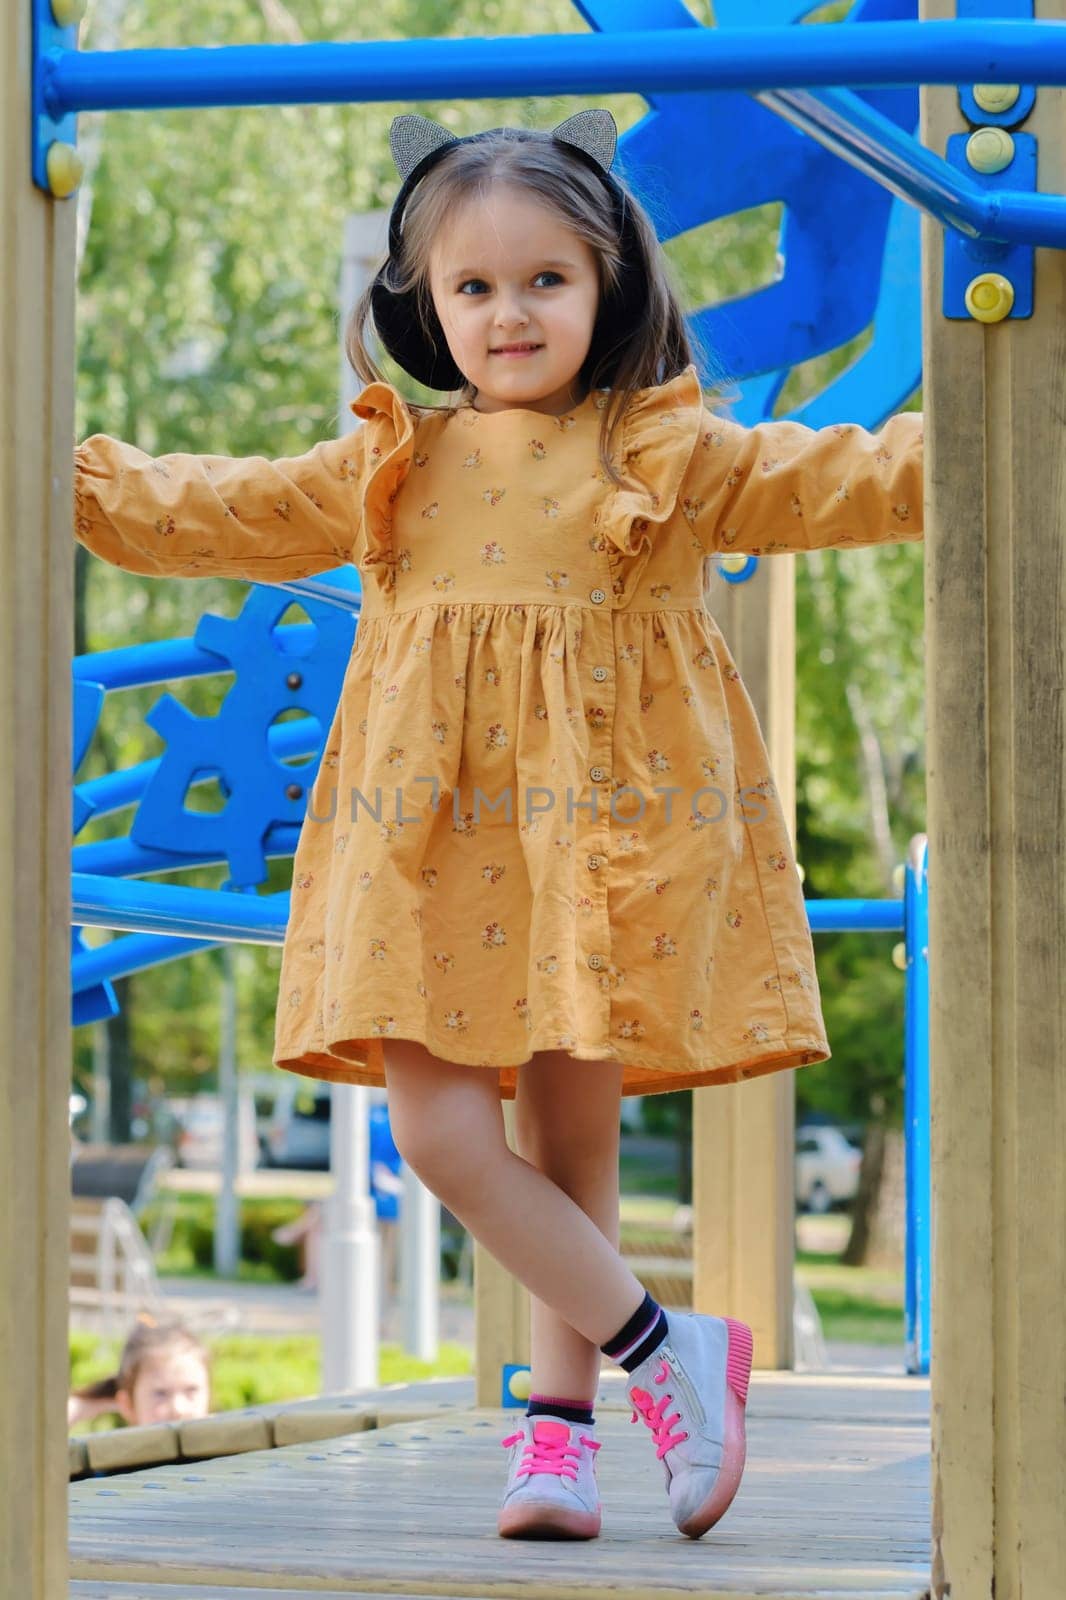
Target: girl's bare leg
[
  {"x": 447, "y": 1122},
  {"x": 567, "y": 1125}
]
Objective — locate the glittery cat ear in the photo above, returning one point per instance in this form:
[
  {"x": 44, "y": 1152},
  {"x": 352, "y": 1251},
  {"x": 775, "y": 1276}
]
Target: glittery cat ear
[
  {"x": 593, "y": 131},
  {"x": 412, "y": 137}
]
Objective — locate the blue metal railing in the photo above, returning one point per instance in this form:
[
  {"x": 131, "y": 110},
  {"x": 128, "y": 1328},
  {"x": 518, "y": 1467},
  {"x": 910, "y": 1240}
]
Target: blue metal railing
[
  {"x": 661, "y": 60},
  {"x": 781, "y": 66}
]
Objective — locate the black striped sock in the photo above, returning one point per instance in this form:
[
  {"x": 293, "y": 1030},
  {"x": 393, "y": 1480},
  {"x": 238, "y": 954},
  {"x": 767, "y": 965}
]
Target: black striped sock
[
  {"x": 546, "y": 1405},
  {"x": 641, "y": 1336}
]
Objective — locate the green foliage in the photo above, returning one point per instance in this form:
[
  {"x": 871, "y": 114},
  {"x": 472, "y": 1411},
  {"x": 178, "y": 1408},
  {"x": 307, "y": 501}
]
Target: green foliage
[{"x": 192, "y": 1243}]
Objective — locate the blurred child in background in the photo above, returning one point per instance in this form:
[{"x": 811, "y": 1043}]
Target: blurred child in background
[{"x": 163, "y": 1376}]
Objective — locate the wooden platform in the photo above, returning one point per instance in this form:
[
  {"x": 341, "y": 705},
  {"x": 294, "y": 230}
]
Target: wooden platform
[{"x": 835, "y": 1501}]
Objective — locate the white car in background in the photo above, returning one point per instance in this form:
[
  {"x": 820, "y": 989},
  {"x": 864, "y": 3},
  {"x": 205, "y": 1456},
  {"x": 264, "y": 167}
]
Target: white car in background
[
  {"x": 199, "y": 1141},
  {"x": 827, "y": 1168}
]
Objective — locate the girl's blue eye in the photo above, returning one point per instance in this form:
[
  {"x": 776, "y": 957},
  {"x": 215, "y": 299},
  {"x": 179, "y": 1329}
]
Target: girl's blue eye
[{"x": 547, "y": 273}]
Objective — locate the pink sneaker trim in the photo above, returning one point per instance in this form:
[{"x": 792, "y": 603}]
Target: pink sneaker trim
[
  {"x": 548, "y": 1522},
  {"x": 738, "y": 1362}
]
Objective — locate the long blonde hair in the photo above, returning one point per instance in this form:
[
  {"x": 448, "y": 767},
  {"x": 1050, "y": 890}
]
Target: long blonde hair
[{"x": 657, "y": 349}]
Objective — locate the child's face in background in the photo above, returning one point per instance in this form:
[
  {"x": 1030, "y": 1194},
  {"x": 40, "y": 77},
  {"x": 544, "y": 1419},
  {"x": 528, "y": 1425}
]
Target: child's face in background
[
  {"x": 168, "y": 1388},
  {"x": 492, "y": 286}
]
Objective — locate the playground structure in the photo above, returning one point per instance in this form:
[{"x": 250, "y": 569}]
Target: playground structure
[{"x": 994, "y": 336}]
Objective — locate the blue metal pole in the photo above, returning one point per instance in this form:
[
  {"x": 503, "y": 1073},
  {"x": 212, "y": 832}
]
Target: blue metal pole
[
  {"x": 122, "y": 858},
  {"x": 212, "y": 914},
  {"x": 916, "y": 1112},
  {"x": 662, "y": 60},
  {"x": 133, "y": 953},
  {"x": 876, "y": 145},
  {"x": 134, "y": 666},
  {"x": 854, "y": 916}
]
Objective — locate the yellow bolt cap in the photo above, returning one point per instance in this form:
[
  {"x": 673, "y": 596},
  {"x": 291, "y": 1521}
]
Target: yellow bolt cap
[
  {"x": 996, "y": 97},
  {"x": 520, "y": 1385},
  {"x": 68, "y": 12},
  {"x": 899, "y": 956},
  {"x": 989, "y": 297},
  {"x": 899, "y": 877},
  {"x": 990, "y": 150},
  {"x": 64, "y": 167},
  {"x": 735, "y": 563}
]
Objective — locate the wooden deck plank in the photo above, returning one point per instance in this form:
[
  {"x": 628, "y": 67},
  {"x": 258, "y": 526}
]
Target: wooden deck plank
[{"x": 835, "y": 1501}]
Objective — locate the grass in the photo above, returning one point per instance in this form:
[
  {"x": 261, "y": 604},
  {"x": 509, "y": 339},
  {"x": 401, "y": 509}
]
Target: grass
[
  {"x": 857, "y": 1305},
  {"x": 651, "y": 1179}
]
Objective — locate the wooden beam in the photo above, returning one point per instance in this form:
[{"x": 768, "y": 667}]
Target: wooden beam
[
  {"x": 36, "y": 582},
  {"x": 995, "y": 403},
  {"x": 743, "y": 1134}
]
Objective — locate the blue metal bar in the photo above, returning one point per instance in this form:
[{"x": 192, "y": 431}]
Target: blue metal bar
[
  {"x": 649, "y": 61},
  {"x": 133, "y": 953},
  {"x": 214, "y": 914},
  {"x": 134, "y": 666},
  {"x": 122, "y": 858},
  {"x": 917, "y": 1113},
  {"x": 876, "y": 145},
  {"x": 336, "y": 587},
  {"x": 854, "y": 916},
  {"x": 100, "y": 896}
]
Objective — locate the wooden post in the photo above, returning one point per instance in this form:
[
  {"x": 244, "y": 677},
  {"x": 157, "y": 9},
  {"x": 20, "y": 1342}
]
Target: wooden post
[
  {"x": 995, "y": 402},
  {"x": 36, "y": 582},
  {"x": 743, "y": 1135},
  {"x": 501, "y": 1311}
]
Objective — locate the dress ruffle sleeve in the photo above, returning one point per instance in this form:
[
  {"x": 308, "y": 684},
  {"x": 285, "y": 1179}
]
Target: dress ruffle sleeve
[
  {"x": 781, "y": 486},
  {"x": 389, "y": 433},
  {"x": 660, "y": 431},
  {"x": 218, "y": 516}
]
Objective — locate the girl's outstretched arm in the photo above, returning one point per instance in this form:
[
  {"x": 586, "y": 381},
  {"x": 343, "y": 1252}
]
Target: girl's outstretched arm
[
  {"x": 220, "y": 516},
  {"x": 781, "y": 486}
]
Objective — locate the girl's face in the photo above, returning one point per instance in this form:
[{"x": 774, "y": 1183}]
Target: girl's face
[
  {"x": 167, "y": 1388},
  {"x": 508, "y": 271}
]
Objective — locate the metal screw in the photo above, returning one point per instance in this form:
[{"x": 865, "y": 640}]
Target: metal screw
[
  {"x": 294, "y": 680},
  {"x": 990, "y": 150},
  {"x": 996, "y": 97}
]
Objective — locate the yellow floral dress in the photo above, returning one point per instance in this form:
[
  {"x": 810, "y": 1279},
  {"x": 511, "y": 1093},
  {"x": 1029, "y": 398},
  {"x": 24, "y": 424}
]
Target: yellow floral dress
[{"x": 544, "y": 817}]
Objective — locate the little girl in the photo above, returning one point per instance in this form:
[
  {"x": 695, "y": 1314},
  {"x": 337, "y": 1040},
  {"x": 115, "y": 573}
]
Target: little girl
[
  {"x": 163, "y": 1376},
  {"x": 543, "y": 856}
]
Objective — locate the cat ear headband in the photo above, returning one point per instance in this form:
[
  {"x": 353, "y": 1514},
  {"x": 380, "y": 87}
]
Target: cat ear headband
[{"x": 417, "y": 144}]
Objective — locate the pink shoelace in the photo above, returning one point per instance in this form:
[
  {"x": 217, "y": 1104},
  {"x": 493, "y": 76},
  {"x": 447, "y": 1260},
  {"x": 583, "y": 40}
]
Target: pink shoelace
[
  {"x": 548, "y": 1455},
  {"x": 654, "y": 1414}
]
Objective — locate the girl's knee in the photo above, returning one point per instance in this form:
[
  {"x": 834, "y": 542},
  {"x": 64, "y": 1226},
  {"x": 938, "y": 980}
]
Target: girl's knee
[{"x": 439, "y": 1111}]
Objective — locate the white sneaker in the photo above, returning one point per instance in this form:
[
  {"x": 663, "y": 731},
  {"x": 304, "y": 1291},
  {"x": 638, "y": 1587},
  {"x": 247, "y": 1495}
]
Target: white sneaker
[
  {"x": 551, "y": 1486},
  {"x": 691, "y": 1392}
]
